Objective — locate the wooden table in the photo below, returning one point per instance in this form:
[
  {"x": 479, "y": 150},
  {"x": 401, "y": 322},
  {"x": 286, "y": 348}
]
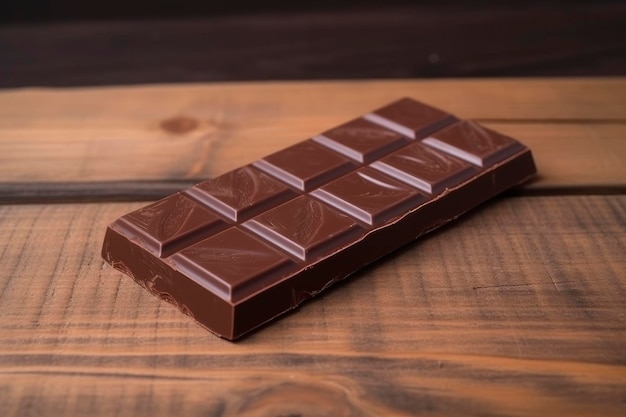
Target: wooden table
[{"x": 518, "y": 308}]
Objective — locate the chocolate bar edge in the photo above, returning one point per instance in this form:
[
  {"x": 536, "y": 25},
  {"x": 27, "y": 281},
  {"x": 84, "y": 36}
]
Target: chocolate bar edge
[{"x": 233, "y": 320}]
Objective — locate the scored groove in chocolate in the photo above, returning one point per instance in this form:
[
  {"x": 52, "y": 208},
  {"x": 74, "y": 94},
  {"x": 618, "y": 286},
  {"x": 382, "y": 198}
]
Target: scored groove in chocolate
[
  {"x": 241, "y": 193},
  {"x": 170, "y": 224},
  {"x": 304, "y": 227},
  {"x": 474, "y": 143},
  {"x": 361, "y": 140},
  {"x": 369, "y": 196},
  {"x": 425, "y": 168},
  {"x": 415, "y": 122},
  {"x": 231, "y": 263},
  {"x": 285, "y": 227},
  {"x": 319, "y": 166}
]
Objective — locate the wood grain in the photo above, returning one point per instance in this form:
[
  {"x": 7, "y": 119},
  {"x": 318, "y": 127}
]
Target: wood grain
[
  {"x": 188, "y": 133},
  {"x": 515, "y": 309},
  {"x": 519, "y": 317},
  {"x": 340, "y": 39}
]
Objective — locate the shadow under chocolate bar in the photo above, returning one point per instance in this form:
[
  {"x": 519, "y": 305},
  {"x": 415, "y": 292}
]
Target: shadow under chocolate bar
[{"x": 238, "y": 250}]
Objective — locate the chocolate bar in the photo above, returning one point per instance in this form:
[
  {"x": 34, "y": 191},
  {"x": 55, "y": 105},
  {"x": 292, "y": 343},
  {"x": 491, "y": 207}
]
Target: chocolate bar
[{"x": 238, "y": 250}]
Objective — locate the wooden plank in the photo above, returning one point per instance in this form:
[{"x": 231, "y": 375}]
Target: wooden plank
[
  {"x": 166, "y": 133},
  {"x": 567, "y": 155},
  {"x": 573, "y": 155},
  {"x": 516, "y": 309},
  {"x": 223, "y": 103},
  {"x": 389, "y": 40}
]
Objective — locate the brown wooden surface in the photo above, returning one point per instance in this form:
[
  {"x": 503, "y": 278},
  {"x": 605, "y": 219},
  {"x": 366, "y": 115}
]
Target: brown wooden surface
[
  {"x": 186, "y": 133},
  {"x": 161, "y": 41},
  {"x": 518, "y": 308}
]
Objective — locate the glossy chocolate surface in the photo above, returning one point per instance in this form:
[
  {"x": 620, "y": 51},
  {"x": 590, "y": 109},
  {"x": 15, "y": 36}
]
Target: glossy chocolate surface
[
  {"x": 425, "y": 168},
  {"x": 304, "y": 227},
  {"x": 238, "y": 250},
  {"x": 474, "y": 143},
  {"x": 369, "y": 196},
  {"x": 305, "y": 172},
  {"x": 241, "y": 193},
  {"x": 361, "y": 140},
  {"x": 414, "y": 122},
  {"x": 169, "y": 224},
  {"x": 231, "y": 263}
]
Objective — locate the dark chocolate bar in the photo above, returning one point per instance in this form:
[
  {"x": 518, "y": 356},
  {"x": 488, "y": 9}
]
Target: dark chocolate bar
[{"x": 238, "y": 250}]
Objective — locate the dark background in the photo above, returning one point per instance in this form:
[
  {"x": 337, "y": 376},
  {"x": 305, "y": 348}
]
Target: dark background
[{"x": 75, "y": 43}]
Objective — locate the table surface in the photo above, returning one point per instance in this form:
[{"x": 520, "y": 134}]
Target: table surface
[
  {"x": 518, "y": 308},
  {"x": 308, "y": 40}
]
